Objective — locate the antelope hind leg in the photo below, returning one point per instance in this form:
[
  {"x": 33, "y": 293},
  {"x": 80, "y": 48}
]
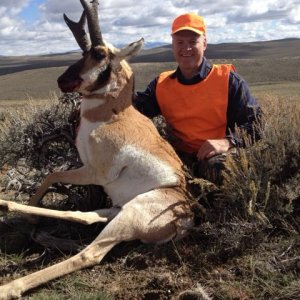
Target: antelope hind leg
[
  {"x": 88, "y": 257},
  {"x": 151, "y": 217},
  {"x": 119, "y": 229}
]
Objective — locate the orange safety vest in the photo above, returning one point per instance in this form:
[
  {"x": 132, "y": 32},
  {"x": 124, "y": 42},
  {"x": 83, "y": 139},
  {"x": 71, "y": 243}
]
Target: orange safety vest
[{"x": 195, "y": 112}]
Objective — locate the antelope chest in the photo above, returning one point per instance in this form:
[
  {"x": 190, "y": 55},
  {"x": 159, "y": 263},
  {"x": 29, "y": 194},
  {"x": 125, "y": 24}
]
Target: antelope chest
[
  {"x": 124, "y": 171},
  {"x": 82, "y": 139}
]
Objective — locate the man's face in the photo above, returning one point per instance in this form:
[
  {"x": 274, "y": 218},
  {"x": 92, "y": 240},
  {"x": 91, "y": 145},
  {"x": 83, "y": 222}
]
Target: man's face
[{"x": 188, "y": 49}]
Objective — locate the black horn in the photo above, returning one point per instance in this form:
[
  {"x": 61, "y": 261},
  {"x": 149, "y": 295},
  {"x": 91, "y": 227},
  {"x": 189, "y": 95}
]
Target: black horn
[
  {"x": 79, "y": 31},
  {"x": 91, "y": 10}
]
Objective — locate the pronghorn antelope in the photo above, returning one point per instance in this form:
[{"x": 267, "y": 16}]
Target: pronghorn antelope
[{"x": 121, "y": 150}]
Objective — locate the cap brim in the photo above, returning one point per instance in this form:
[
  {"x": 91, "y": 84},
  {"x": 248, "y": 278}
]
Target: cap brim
[{"x": 189, "y": 28}]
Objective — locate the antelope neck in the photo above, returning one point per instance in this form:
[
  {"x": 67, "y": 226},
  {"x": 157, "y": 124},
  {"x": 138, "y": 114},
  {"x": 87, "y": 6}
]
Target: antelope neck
[{"x": 108, "y": 104}]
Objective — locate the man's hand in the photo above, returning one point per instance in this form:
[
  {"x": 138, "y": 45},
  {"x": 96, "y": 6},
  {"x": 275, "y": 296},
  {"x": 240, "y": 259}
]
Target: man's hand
[{"x": 211, "y": 148}]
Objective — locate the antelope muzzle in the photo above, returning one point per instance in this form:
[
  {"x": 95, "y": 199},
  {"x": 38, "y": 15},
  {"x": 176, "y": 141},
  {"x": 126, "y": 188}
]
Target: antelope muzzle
[{"x": 70, "y": 80}]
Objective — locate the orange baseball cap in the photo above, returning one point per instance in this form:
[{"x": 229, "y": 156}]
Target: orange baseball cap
[{"x": 189, "y": 21}]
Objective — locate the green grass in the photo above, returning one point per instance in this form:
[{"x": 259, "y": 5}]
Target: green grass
[{"x": 75, "y": 287}]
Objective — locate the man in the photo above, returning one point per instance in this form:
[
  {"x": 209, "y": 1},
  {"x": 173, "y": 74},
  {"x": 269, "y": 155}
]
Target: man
[{"x": 202, "y": 104}]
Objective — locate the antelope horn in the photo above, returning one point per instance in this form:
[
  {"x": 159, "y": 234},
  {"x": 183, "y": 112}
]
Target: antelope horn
[
  {"x": 79, "y": 32},
  {"x": 91, "y": 10}
]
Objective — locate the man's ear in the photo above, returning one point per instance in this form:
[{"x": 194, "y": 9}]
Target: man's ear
[{"x": 204, "y": 41}]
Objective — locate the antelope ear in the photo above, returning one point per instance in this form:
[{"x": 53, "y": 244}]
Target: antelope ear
[{"x": 130, "y": 50}]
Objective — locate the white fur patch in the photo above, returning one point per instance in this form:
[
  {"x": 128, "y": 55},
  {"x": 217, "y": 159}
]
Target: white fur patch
[
  {"x": 82, "y": 139},
  {"x": 90, "y": 77},
  {"x": 136, "y": 171},
  {"x": 88, "y": 104},
  {"x": 110, "y": 87}
]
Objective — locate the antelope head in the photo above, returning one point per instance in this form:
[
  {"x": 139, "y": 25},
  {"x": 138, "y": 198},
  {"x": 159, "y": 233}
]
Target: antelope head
[{"x": 102, "y": 69}]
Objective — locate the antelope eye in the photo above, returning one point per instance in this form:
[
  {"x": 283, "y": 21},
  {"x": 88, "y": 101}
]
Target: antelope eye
[{"x": 97, "y": 55}]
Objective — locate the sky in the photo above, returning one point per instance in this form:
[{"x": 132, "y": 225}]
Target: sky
[{"x": 30, "y": 27}]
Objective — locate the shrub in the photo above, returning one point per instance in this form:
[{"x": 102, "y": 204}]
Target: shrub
[
  {"x": 38, "y": 140},
  {"x": 265, "y": 178}
]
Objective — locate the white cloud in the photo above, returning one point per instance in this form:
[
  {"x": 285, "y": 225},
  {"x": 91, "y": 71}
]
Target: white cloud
[
  {"x": 12, "y": 7},
  {"x": 294, "y": 15},
  {"x": 124, "y": 21},
  {"x": 255, "y": 10}
]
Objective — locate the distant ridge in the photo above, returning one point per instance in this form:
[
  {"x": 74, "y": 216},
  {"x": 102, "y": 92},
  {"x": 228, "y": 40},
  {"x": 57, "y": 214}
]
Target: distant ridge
[
  {"x": 270, "y": 49},
  {"x": 276, "y": 48}
]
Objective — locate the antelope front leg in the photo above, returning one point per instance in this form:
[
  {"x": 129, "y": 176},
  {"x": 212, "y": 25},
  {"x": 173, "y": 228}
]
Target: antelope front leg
[
  {"x": 87, "y": 218},
  {"x": 79, "y": 176}
]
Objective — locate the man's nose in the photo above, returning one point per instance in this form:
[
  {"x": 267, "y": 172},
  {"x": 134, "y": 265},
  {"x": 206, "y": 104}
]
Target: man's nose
[{"x": 187, "y": 47}]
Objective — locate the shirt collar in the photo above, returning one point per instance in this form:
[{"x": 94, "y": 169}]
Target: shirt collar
[{"x": 204, "y": 70}]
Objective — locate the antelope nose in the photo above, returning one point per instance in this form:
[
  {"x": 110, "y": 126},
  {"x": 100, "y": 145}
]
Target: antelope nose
[{"x": 68, "y": 85}]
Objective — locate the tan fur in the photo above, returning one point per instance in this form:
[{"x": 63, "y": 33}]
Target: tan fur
[
  {"x": 122, "y": 151},
  {"x": 115, "y": 102}
]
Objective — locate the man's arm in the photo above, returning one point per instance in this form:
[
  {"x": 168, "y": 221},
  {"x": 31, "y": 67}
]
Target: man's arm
[
  {"x": 243, "y": 111},
  {"x": 146, "y": 102}
]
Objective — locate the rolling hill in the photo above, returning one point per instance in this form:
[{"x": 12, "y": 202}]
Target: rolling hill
[
  {"x": 270, "y": 49},
  {"x": 276, "y": 48},
  {"x": 260, "y": 63}
]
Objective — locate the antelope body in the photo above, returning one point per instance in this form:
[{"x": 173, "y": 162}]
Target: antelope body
[{"x": 121, "y": 150}]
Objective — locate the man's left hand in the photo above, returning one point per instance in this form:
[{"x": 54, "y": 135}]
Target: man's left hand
[{"x": 211, "y": 148}]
